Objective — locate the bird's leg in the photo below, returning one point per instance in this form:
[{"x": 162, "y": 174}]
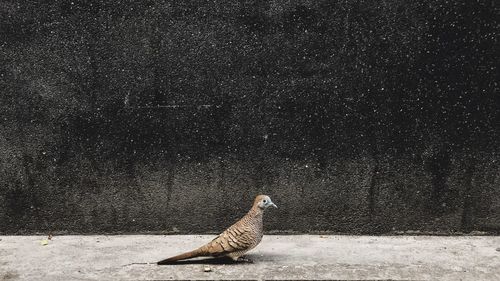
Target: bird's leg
[{"x": 243, "y": 259}]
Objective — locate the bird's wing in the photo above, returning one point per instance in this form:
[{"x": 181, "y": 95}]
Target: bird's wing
[{"x": 235, "y": 238}]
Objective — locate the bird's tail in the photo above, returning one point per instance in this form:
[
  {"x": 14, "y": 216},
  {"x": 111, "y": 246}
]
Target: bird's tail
[{"x": 188, "y": 255}]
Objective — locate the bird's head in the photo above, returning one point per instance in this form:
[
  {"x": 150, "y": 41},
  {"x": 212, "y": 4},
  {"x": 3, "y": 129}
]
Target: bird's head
[{"x": 264, "y": 202}]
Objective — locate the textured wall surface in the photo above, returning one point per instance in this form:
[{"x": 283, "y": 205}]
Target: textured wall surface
[{"x": 170, "y": 116}]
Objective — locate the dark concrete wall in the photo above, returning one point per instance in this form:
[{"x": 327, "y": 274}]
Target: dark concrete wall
[{"x": 170, "y": 116}]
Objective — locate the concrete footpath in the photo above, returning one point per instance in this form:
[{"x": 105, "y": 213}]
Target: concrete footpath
[{"x": 127, "y": 257}]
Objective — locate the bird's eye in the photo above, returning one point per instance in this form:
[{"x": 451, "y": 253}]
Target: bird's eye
[{"x": 265, "y": 201}]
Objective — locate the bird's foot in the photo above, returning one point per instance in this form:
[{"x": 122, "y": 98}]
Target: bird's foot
[{"x": 242, "y": 259}]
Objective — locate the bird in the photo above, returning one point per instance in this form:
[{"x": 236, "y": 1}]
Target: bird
[{"x": 236, "y": 240}]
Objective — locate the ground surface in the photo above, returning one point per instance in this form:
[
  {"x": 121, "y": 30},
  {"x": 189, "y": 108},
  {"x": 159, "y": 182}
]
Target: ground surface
[{"x": 277, "y": 257}]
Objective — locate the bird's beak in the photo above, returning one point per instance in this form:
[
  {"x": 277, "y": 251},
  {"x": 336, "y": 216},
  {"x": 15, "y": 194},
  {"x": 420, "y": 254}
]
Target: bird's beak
[{"x": 274, "y": 205}]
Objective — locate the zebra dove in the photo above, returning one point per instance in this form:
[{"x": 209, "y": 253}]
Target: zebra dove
[{"x": 235, "y": 241}]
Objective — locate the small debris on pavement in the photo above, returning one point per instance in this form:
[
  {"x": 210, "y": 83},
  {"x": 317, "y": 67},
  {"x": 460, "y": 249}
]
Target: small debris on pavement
[
  {"x": 44, "y": 242},
  {"x": 207, "y": 269},
  {"x": 50, "y": 236}
]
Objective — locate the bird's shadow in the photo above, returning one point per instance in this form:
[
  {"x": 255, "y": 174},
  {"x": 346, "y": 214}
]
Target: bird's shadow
[{"x": 221, "y": 260}]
